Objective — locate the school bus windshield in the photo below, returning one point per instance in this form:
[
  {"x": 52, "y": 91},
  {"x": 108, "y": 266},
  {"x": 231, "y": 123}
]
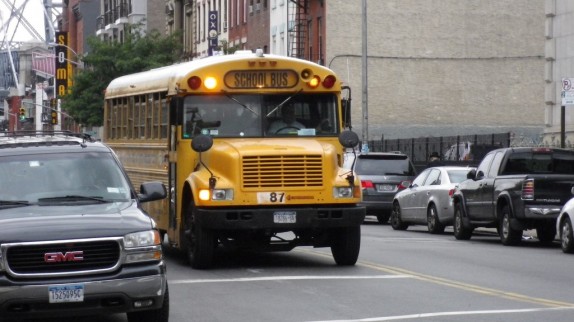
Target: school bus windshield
[{"x": 238, "y": 115}]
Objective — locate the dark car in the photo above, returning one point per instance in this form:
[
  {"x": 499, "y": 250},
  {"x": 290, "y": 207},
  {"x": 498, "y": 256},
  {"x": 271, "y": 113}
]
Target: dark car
[
  {"x": 74, "y": 239},
  {"x": 382, "y": 175}
]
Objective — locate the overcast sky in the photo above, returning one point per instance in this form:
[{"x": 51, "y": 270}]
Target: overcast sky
[{"x": 33, "y": 12}]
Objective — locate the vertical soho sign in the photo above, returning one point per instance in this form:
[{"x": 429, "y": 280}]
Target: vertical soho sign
[
  {"x": 567, "y": 91},
  {"x": 62, "y": 64}
]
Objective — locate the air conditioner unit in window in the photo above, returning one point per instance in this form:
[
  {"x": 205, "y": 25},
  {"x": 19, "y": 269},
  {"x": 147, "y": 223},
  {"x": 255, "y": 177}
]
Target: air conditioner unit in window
[
  {"x": 257, "y": 6},
  {"x": 225, "y": 25},
  {"x": 250, "y": 9}
]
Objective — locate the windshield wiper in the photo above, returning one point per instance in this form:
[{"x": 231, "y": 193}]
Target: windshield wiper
[
  {"x": 14, "y": 203},
  {"x": 239, "y": 102},
  {"x": 283, "y": 103},
  {"x": 75, "y": 198}
]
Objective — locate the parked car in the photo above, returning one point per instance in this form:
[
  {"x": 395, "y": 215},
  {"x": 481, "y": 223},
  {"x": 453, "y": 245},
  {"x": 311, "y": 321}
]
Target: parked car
[
  {"x": 427, "y": 201},
  {"x": 382, "y": 175},
  {"x": 515, "y": 189},
  {"x": 564, "y": 227},
  {"x": 74, "y": 239}
]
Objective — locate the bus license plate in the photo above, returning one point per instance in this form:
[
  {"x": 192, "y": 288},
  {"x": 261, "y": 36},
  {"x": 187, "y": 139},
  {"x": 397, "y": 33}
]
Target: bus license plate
[
  {"x": 66, "y": 293},
  {"x": 285, "y": 217}
]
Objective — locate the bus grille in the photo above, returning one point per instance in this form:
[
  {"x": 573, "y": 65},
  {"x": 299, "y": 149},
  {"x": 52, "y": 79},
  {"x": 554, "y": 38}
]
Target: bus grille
[
  {"x": 31, "y": 259},
  {"x": 282, "y": 171}
]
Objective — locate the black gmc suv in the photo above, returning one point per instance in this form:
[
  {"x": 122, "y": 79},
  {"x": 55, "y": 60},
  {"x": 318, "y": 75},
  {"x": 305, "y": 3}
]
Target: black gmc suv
[{"x": 73, "y": 237}]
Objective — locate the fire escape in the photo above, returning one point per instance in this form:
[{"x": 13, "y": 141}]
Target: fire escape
[{"x": 297, "y": 28}]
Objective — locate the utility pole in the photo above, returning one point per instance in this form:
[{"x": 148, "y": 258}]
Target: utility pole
[{"x": 365, "y": 86}]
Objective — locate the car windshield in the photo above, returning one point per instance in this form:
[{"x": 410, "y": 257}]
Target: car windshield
[
  {"x": 64, "y": 178},
  {"x": 233, "y": 115},
  {"x": 383, "y": 166},
  {"x": 456, "y": 176}
]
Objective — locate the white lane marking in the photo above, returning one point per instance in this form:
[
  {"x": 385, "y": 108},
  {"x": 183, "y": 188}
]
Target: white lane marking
[
  {"x": 283, "y": 278},
  {"x": 426, "y": 315}
]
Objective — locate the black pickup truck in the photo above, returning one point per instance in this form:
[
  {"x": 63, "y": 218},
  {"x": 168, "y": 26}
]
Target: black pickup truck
[{"x": 515, "y": 189}]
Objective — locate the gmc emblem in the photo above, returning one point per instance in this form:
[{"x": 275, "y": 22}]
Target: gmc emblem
[{"x": 57, "y": 257}]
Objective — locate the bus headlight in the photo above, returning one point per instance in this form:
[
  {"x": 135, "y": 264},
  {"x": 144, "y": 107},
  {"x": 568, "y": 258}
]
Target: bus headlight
[
  {"x": 1, "y": 260},
  {"x": 143, "y": 246},
  {"x": 343, "y": 192},
  {"x": 216, "y": 194}
]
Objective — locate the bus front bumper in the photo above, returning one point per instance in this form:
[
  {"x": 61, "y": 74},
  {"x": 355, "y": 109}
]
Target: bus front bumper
[{"x": 280, "y": 218}]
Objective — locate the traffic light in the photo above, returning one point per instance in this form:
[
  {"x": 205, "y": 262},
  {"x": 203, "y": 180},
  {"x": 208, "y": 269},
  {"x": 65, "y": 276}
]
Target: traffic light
[
  {"x": 54, "y": 116},
  {"x": 22, "y": 114}
]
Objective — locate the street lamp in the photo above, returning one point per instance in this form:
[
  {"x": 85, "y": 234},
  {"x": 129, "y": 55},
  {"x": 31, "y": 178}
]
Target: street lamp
[
  {"x": 65, "y": 46},
  {"x": 79, "y": 64}
]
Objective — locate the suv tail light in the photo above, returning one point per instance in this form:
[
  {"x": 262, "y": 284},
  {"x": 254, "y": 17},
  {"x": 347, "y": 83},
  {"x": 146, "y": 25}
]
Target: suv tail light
[
  {"x": 365, "y": 184},
  {"x": 451, "y": 192},
  {"x": 528, "y": 189}
]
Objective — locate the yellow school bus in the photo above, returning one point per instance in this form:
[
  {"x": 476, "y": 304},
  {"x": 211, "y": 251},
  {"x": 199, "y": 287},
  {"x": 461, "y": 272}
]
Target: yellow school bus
[{"x": 251, "y": 148}]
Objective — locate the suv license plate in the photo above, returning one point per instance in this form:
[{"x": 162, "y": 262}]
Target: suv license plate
[
  {"x": 385, "y": 187},
  {"x": 66, "y": 293},
  {"x": 285, "y": 217}
]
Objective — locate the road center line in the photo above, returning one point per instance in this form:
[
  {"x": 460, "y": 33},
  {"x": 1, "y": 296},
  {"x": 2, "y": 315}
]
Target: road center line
[
  {"x": 426, "y": 315},
  {"x": 453, "y": 283},
  {"x": 283, "y": 278}
]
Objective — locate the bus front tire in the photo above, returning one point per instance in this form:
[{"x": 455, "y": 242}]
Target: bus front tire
[
  {"x": 345, "y": 245},
  {"x": 201, "y": 242}
]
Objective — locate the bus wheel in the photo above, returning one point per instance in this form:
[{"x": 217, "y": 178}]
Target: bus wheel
[
  {"x": 200, "y": 242},
  {"x": 345, "y": 245}
]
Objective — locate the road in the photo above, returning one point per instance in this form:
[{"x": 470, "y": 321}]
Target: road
[{"x": 401, "y": 276}]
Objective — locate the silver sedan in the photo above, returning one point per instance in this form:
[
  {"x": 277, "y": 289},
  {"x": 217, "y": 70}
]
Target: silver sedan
[
  {"x": 427, "y": 201},
  {"x": 564, "y": 227}
]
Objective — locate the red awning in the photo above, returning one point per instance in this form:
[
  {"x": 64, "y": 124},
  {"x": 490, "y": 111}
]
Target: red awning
[{"x": 44, "y": 64}]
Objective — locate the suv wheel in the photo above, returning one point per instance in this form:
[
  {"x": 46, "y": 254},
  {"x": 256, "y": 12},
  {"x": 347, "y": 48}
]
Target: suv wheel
[{"x": 384, "y": 218}]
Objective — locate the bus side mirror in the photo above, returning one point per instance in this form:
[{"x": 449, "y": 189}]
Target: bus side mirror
[
  {"x": 201, "y": 143},
  {"x": 348, "y": 139}
]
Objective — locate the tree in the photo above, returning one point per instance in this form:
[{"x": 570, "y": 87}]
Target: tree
[{"x": 108, "y": 60}]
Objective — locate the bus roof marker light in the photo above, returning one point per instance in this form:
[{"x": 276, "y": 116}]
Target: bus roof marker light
[
  {"x": 329, "y": 81},
  {"x": 210, "y": 82},
  {"x": 306, "y": 74},
  {"x": 314, "y": 82},
  {"x": 194, "y": 82}
]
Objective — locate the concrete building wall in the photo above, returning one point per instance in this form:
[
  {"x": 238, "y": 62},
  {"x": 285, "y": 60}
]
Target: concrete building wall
[
  {"x": 278, "y": 27},
  {"x": 559, "y": 64},
  {"x": 443, "y": 67},
  {"x": 155, "y": 15}
]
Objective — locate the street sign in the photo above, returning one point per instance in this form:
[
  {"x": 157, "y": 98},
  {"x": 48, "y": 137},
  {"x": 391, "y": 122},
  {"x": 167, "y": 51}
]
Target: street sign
[{"x": 567, "y": 91}]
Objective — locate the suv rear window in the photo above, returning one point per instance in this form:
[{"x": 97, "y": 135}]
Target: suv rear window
[{"x": 384, "y": 165}]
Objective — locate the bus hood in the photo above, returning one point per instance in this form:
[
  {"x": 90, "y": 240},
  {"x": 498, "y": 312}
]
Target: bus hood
[{"x": 274, "y": 160}]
